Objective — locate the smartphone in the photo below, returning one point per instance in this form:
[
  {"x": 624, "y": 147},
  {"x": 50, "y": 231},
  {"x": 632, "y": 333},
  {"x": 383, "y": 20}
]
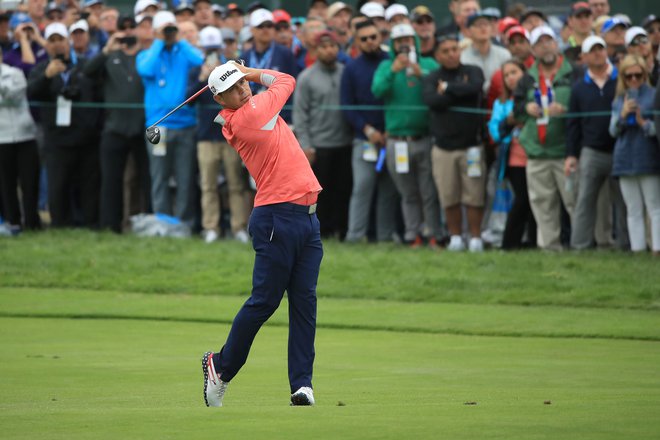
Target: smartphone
[
  {"x": 84, "y": 15},
  {"x": 212, "y": 59}
]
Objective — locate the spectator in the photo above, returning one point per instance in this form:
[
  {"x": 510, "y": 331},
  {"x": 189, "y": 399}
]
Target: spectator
[
  {"x": 324, "y": 134},
  {"x": 189, "y": 32},
  {"x": 318, "y": 9},
  {"x": 466, "y": 9},
  {"x": 636, "y": 152},
  {"x": 483, "y": 53},
  {"x": 146, "y": 7},
  {"x": 337, "y": 17},
  {"x": 638, "y": 43},
  {"x": 54, "y": 12},
  {"x": 144, "y": 31},
  {"x": 164, "y": 70},
  {"x": 614, "y": 34},
  {"x": 369, "y": 140},
  {"x": 186, "y": 12},
  {"x": 517, "y": 42},
  {"x": 533, "y": 18},
  {"x": 214, "y": 151},
  {"x": 543, "y": 134},
  {"x": 452, "y": 25},
  {"x": 5, "y": 38},
  {"x": 29, "y": 47},
  {"x": 503, "y": 27},
  {"x": 305, "y": 57},
  {"x": 505, "y": 131},
  {"x": 79, "y": 35},
  {"x": 396, "y": 13},
  {"x": 71, "y": 133},
  {"x": 123, "y": 130},
  {"x": 203, "y": 13},
  {"x": 109, "y": 18},
  {"x": 580, "y": 20},
  {"x": 19, "y": 159},
  {"x": 234, "y": 18},
  {"x": 398, "y": 81},
  {"x": 459, "y": 166},
  {"x": 92, "y": 15},
  {"x": 36, "y": 9},
  {"x": 588, "y": 139},
  {"x": 284, "y": 33},
  {"x": 651, "y": 25},
  {"x": 230, "y": 43},
  {"x": 599, "y": 7},
  {"x": 424, "y": 25},
  {"x": 376, "y": 12},
  {"x": 218, "y": 15}
]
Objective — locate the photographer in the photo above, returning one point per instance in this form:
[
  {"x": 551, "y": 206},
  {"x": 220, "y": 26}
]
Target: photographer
[
  {"x": 123, "y": 131},
  {"x": 28, "y": 47},
  {"x": 71, "y": 132}
]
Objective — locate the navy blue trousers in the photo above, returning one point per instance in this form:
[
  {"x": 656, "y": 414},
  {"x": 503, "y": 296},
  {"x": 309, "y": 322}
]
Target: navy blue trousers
[{"x": 287, "y": 242}]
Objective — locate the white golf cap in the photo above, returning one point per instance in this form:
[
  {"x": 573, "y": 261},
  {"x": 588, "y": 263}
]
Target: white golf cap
[
  {"x": 162, "y": 18},
  {"x": 210, "y": 38},
  {"x": 373, "y": 10},
  {"x": 245, "y": 35},
  {"x": 56, "y": 28},
  {"x": 141, "y": 17},
  {"x": 141, "y": 5},
  {"x": 395, "y": 9},
  {"x": 402, "y": 30},
  {"x": 633, "y": 32},
  {"x": 334, "y": 9},
  {"x": 591, "y": 41},
  {"x": 223, "y": 77},
  {"x": 80, "y": 25},
  {"x": 540, "y": 31},
  {"x": 261, "y": 16}
]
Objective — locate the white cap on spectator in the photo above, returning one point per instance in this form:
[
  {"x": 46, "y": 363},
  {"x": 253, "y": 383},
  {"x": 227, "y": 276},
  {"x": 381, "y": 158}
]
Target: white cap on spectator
[
  {"x": 80, "y": 25},
  {"x": 210, "y": 38},
  {"x": 141, "y": 5},
  {"x": 540, "y": 31},
  {"x": 373, "y": 10},
  {"x": 590, "y": 42},
  {"x": 245, "y": 35},
  {"x": 633, "y": 32},
  {"x": 141, "y": 17},
  {"x": 56, "y": 28},
  {"x": 223, "y": 77},
  {"x": 261, "y": 16},
  {"x": 162, "y": 18},
  {"x": 402, "y": 30},
  {"x": 395, "y": 9}
]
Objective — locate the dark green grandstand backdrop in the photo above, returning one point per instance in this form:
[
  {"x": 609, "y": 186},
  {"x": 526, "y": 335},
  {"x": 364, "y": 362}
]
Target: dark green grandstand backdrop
[{"x": 635, "y": 9}]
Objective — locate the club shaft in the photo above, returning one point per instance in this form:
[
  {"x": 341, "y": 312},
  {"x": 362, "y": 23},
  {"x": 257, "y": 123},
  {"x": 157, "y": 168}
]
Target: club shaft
[{"x": 187, "y": 101}]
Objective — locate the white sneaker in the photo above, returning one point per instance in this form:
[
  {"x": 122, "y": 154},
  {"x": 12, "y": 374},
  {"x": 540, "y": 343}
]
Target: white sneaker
[
  {"x": 210, "y": 236},
  {"x": 242, "y": 236},
  {"x": 476, "y": 245},
  {"x": 303, "y": 397},
  {"x": 214, "y": 388},
  {"x": 456, "y": 244}
]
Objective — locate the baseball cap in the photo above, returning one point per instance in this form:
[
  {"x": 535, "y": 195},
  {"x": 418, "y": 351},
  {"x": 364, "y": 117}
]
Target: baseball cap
[
  {"x": 533, "y": 11},
  {"x": 141, "y": 17},
  {"x": 261, "y": 16},
  {"x": 162, "y": 18},
  {"x": 223, "y": 77},
  {"x": 89, "y": 3},
  {"x": 52, "y": 7},
  {"x": 492, "y": 13},
  {"x": 280, "y": 15},
  {"x": 141, "y": 5},
  {"x": 184, "y": 6},
  {"x": 649, "y": 19},
  {"x": 517, "y": 30},
  {"x": 540, "y": 31},
  {"x": 233, "y": 7},
  {"x": 394, "y": 10},
  {"x": 579, "y": 8},
  {"x": 210, "y": 37},
  {"x": 19, "y": 18},
  {"x": 402, "y": 30},
  {"x": 228, "y": 34},
  {"x": 244, "y": 35},
  {"x": 373, "y": 10},
  {"x": 419, "y": 12},
  {"x": 56, "y": 28},
  {"x": 254, "y": 6},
  {"x": 476, "y": 16},
  {"x": 612, "y": 23},
  {"x": 80, "y": 25},
  {"x": 591, "y": 41},
  {"x": 633, "y": 32},
  {"x": 336, "y": 7},
  {"x": 506, "y": 23}
]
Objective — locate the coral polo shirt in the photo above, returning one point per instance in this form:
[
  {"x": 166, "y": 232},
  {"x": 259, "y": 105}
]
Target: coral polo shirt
[{"x": 268, "y": 147}]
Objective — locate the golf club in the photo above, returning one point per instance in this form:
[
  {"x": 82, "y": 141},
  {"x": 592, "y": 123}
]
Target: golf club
[{"x": 153, "y": 132}]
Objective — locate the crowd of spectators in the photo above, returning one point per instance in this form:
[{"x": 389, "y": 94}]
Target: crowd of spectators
[{"x": 418, "y": 126}]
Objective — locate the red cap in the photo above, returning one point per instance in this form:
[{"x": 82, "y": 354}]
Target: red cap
[
  {"x": 280, "y": 15},
  {"x": 517, "y": 30},
  {"x": 504, "y": 24},
  {"x": 579, "y": 8}
]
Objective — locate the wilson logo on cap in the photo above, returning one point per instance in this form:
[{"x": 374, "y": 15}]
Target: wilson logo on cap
[{"x": 227, "y": 74}]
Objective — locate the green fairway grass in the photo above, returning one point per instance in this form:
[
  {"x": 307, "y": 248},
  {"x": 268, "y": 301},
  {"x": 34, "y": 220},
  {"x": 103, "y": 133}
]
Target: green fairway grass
[{"x": 101, "y": 336}]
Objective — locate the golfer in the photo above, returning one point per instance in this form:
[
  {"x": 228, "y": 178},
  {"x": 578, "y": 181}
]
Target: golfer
[{"x": 283, "y": 226}]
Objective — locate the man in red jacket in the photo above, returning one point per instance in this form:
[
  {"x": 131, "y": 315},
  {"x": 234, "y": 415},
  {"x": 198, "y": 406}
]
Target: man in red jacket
[{"x": 284, "y": 228}]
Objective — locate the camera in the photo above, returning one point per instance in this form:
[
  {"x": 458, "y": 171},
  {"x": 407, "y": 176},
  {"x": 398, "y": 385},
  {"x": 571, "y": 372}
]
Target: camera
[
  {"x": 84, "y": 15},
  {"x": 403, "y": 49},
  {"x": 170, "y": 31},
  {"x": 129, "y": 41}
]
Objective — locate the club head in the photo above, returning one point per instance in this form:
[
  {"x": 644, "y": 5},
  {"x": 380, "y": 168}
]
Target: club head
[{"x": 153, "y": 135}]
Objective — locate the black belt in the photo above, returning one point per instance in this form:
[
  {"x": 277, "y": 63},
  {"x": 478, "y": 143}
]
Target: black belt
[
  {"x": 305, "y": 209},
  {"x": 406, "y": 138}
]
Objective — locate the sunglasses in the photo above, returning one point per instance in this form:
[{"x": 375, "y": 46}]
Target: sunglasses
[
  {"x": 653, "y": 29},
  {"x": 639, "y": 40},
  {"x": 266, "y": 26},
  {"x": 424, "y": 20},
  {"x": 631, "y": 76},
  {"x": 282, "y": 26},
  {"x": 372, "y": 37}
]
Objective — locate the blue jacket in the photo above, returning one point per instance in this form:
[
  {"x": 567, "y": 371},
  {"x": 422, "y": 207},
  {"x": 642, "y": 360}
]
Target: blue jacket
[
  {"x": 636, "y": 150},
  {"x": 497, "y": 124},
  {"x": 590, "y": 131},
  {"x": 165, "y": 77},
  {"x": 356, "y": 90}
]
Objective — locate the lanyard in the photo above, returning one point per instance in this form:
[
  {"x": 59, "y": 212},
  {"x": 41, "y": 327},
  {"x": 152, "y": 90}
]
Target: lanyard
[{"x": 266, "y": 59}]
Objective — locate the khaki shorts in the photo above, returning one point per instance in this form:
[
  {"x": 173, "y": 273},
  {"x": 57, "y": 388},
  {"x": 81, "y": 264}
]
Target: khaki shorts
[{"x": 452, "y": 181}]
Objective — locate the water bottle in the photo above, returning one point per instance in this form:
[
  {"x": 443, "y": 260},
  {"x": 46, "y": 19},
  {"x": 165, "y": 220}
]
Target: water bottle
[
  {"x": 412, "y": 56},
  {"x": 631, "y": 119}
]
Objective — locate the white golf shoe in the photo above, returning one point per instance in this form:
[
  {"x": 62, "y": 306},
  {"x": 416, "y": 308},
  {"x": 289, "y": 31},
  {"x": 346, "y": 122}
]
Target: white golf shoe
[
  {"x": 210, "y": 236},
  {"x": 456, "y": 244},
  {"x": 476, "y": 245},
  {"x": 214, "y": 388},
  {"x": 303, "y": 397}
]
